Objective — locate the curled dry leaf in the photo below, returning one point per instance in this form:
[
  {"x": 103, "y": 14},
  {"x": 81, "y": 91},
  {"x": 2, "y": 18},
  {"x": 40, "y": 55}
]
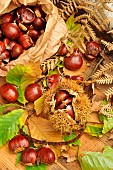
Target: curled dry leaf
[
  {"x": 49, "y": 42},
  {"x": 71, "y": 153}
]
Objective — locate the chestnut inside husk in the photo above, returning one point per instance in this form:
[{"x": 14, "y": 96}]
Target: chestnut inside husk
[{"x": 60, "y": 117}]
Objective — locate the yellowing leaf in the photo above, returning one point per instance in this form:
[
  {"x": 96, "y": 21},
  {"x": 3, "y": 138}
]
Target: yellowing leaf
[
  {"x": 38, "y": 105},
  {"x": 94, "y": 129}
]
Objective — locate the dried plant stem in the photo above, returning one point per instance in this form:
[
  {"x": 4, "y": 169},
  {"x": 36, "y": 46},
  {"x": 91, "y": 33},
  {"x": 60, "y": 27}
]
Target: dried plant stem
[
  {"x": 50, "y": 143},
  {"x": 94, "y": 69}
]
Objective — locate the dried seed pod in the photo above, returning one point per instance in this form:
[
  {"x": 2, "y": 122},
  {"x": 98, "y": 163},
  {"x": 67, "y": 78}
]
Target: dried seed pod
[{"x": 60, "y": 118}]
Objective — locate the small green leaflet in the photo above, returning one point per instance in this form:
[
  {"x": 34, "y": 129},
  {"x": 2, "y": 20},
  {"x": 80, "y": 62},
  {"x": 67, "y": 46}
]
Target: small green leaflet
[
  {"x": 94, "y": 129},
  {"x": 18, "y": 158},
  {"x": 97, "y": 160},
  {"x": 70, "y": 137},
  {"x": 35, "y": 167},
  {"x": 14, "y": 76},
  {"x": 70, "y": 23},
  {"x": 9, "y": 125},
  {"x": 108, "y": 125},
  {"x": 5, "y": 106}
]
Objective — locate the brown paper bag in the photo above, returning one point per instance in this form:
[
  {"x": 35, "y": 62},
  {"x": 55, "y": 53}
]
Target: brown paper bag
[{"x": 49, "y": 42}]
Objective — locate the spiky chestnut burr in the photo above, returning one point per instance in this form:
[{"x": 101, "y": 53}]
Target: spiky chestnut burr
[{"x": 60, "y": 118}]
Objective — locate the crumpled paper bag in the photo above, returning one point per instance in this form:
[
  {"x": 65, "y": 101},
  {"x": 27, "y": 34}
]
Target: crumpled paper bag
[{"x": 48, "y": 43}]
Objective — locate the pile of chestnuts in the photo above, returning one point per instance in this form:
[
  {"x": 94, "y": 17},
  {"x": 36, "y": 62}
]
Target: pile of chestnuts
[
  {"x": 19, "y": 30},
  {"x": 31, "y": 156}
]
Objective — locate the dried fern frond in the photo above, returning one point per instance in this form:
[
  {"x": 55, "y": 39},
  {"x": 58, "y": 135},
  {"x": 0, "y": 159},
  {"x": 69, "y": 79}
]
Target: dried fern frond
[
  {"x": 102, "y": 70},
  {"x": 108, "y": 45},
  {"x": 109, "y": 93},
  {"x": 105, "y": 80},
  {"x": 107, "y": 110},
  {"x": 50, "y": 64}
]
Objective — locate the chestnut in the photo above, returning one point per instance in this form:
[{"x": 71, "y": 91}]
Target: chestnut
[
  {"x": 70, "y": 111},
  {"x": 29, "y": 156},
  {"x": 53, "y": 80},
  {"x": 5, "y": 56},
  {"x": 93, "y": 49},
  {"x": 11, "y": 44},
  {"x": 34, "y": 34},
  {"x": 25, "y": 41},
  {"x": 74, "y": 61},
  {"x": 77, "y": 78},
  {"x": 45, "y": 155},
  {"x": 11, "y": 31},
  {"x": 16, "y": 51},
  {"x": 27, "y": 15},
  {"x": 18, "y": 143},
  {"x": 90, "y": 57},
  {"x": 2, "y": 46},
  {"x": 64, "y": 103},
  {"x": 61, "y": 96},
  {"x": 6, "y": 18},
  {"x": 6, "y": 42},
  {"x": 62, "y": 50},
  {"x": 9, "y": 93},
  {"x": 1, "y": 35},
  {"x": 39, "y": 23},
  {"x": 33, "y": 91}
]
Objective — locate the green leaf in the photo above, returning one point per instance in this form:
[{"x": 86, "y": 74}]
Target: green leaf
[
  {"x": 18, "y": 158},
  {"x": 21, "y": 76},
  {"x": 102, "y": 117},
  {"x": 97, "y": 160},
  {"x": 14, "y": 76},
  {"x": 70, "y": 137},
  {"x": 94, "y": 129},
  {"x": 35, "y": 167},
  {"x": 108, "y": 125},
  {"x": 5, "y": 106},
  {"x": 21, "y": 96},
  {"x": 9, "y": 125},
  {"x": 70, "y": 23}
]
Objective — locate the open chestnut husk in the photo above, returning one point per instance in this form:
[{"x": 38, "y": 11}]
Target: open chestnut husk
[{"x": 73, "y": 113}]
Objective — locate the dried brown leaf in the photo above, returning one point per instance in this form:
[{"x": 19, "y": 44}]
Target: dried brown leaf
[{"x": 42, "y": 129}]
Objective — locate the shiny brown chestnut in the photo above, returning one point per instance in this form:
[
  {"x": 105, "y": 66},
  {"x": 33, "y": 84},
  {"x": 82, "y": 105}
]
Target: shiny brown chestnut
[
  {"x": 62, "y": 50},
  {"x": 74, "y": 61},
  {"x": 5, "y": 56},
  {"x": 39, "y": 23},
  {"x": 2, "y": 46},
  {"x": 18, "y": 143},
  {"x": 93, "y": 48},
  {"x": 61, "y": 96},
  {"x": 9, "y": 93},
  {"x": 6, "y": 18},
  {"x": 33, "y": 91},
  {"x": 11, "y": 31},
  {"x": 25, "y": 41},
  {"x": 16, "y": 51},
  {"x": 45, "y": 155},
  {"x": 6, "y": 42},
  {"x": 29, "y": 156},
  {"x": 34, "y": 34},
  {"x": 53, "y": 80}
]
